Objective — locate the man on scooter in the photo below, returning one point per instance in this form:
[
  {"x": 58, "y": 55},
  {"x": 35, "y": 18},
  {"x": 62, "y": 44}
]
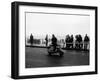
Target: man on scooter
[{"x": 54, "y": 41}]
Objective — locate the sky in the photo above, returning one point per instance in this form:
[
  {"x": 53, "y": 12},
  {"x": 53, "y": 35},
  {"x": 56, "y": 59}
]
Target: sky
[{"x": 40, "y": 24}]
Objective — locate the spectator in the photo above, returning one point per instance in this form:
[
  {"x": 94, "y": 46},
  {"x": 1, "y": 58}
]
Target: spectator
[
  {"x": 46, "y": 39},
  {"x": 71, "y": 41},
  {"x": 67, "y": 39},
  {"x": 78, "y": 42},
  {"x": 31, "y": 39},
  {"x": 86, "y": 42}
]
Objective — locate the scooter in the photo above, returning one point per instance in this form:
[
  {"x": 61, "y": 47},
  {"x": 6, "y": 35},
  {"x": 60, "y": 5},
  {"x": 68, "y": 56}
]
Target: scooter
[{"x": 57, "y": 51}]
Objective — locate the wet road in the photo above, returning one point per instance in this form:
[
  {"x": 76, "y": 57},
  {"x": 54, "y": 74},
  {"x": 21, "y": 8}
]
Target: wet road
[{"x": 38, "y": 57}]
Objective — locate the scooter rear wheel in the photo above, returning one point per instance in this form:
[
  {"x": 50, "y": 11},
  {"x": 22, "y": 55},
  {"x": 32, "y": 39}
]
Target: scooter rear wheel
[{"x": 49, "y": 54}]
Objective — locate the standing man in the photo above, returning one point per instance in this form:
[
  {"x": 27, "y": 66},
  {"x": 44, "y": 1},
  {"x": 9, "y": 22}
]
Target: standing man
[
  {"x": 31, "y": 39},
  {"x": 71, "y": 41},
  {"x": 80, "y": 42},
  {"x": 86, "y": 42},
  {"x": 67, "y": 41},
  {"x": 46, "y": 39}
]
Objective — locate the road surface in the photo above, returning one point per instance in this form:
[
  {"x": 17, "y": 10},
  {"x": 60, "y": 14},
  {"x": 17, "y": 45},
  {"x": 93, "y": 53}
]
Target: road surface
[{"x": 38, "y": 57}]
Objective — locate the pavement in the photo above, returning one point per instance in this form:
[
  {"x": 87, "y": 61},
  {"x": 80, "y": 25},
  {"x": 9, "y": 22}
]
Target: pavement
[{"x": 38, "y": 57}]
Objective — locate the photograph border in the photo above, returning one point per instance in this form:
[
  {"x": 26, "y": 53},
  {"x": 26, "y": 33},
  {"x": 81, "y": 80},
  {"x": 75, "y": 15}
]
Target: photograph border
[{"x": 15, "y": 39}]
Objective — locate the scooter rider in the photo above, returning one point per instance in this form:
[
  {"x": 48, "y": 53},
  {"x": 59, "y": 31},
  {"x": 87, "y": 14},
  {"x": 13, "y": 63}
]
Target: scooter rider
[{"x": 54, "y": 41}]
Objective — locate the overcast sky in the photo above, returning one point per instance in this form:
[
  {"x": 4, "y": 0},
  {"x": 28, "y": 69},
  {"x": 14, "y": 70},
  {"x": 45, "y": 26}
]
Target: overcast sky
[{"x": 40, "y": 24}]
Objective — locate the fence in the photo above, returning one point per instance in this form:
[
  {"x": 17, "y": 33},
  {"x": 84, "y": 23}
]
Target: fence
[{"x": 77, "y": 45}]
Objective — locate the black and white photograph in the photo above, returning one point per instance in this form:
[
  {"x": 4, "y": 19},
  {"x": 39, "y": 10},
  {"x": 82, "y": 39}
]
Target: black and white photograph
[
  {"x": 57, "y": 39},
  {"x": 51, "y": 40}
]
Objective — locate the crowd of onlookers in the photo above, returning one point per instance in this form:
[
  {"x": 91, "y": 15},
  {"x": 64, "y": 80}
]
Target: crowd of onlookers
[
  {"x": 70, "y": 42},
  {"x": 78, "y": 42}
]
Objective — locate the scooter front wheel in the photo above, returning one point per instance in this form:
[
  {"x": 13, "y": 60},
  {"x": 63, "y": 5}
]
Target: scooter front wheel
[{"x": 61, "y": 54}]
